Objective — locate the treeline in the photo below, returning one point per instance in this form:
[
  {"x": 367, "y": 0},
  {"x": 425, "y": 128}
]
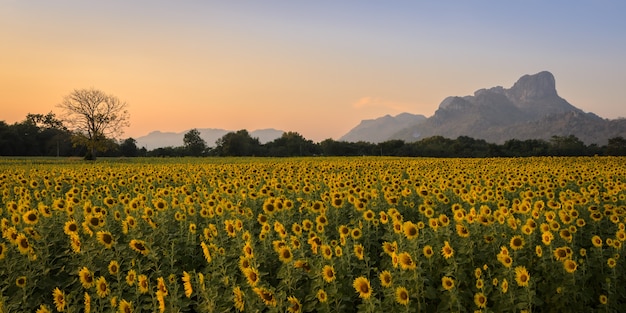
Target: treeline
[{"x": 45, "y": 135}]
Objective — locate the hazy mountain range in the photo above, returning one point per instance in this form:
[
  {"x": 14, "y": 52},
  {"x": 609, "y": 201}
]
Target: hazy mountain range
[
  {"x": 158, "y": 139},
  {"x": 530, "y": 109}
]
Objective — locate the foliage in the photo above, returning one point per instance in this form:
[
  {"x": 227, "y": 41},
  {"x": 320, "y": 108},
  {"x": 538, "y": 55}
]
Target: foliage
[
  {"x": 44, "y": 135},
  {"x": 94, "y": 118},
  {"x": 194, "y": 144},
  {"x": 313, "y": 235},
  {"x": 238, "y": 143}
]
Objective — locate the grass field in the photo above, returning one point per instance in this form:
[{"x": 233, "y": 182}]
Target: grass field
[{"x": 312, "y": 235}]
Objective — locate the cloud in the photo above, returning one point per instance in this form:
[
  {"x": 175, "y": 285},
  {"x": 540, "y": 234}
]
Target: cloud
[{"x": 376, "y": 102}]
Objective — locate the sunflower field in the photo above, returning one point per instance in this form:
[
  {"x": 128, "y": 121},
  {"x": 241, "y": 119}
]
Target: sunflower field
[{"x": 362, "y": 234}]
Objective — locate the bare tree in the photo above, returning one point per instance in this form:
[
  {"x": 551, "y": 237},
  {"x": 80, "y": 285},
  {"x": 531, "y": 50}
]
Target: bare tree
[{"x": 94, "y": 117}]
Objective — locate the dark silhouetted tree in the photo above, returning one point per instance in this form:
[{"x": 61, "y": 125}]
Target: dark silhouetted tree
[
  {"x": 616, "y": 146},
  {"x": 291, "y": 144},
  {"x": 128, "y": 148},
  {"x": 194, "y": 144},
  {"x": 238, "y": 143},
  {"x": 94, "y": 117}
]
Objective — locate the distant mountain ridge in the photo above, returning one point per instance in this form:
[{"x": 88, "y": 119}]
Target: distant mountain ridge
[
  {"x": 380, "y": 129},
  {"x": 530, "y": 109},
  {"x": 158, "y": 139}
]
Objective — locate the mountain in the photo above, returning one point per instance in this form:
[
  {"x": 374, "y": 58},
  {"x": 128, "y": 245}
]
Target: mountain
[
  {"x": 158, "y": 139},
  {"x": 530, "y": 109},
  {"x": 380, "y": 129}
]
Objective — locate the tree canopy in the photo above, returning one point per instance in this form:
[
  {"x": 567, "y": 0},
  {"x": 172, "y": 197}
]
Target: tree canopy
[
  {"x": 194, "y": 144},
  {"x": 94, "y": 117}
]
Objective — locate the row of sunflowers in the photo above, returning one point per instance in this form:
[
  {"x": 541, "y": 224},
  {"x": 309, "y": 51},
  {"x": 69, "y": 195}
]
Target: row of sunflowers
[{"x": 313, "y": 235}]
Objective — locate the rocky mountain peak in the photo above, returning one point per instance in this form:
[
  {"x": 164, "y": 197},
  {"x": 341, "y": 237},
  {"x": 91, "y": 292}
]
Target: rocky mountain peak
[{"x": 533, "y": 87}]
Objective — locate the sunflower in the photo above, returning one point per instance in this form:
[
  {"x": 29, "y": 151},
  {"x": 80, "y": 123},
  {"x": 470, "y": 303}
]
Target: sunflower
[
  {"x": 390, "y": 247},
  {"x": 206, "y": 252},
  {"x": 327, "y": 252},
  {"x": 285, "y": 255},
  {"x": 505, "y": 259},
  {"x": 125, "y": 306},
  {"x": 504, "y": 286},
  {"x": 266, "y": 296},
  {"x": 359, "y": 251},
  {"x": 385, "y": 278},
  {"x": 402, "y": 296},
  {"x": 447, "y": 250},
  {"x": 538, "y": 251},
  {"x": 384, "y": 218},
  {"x": 462, "y": 231},
  {"x": 143, "y": 283},
  {"x": 44, "y": 309},
  {"x": 21, "y": 281},
  {"x": 322, "y": 296},
  {"x": 102, "y": 287},
  {"x": 405, "y": 261},
  {"x": 294, "y": 305},
  {"x": 570, "y": 266},
  {"x": 161, "y": 299},
  {"x": 395, "y": 260},
  {"x": 307, "y": 225},
  {"x": 238, "y": 299},
  {"x": 187, "y": 284},
  {"x": 59, "y": 299},
  {"x": 302, "y": 264},
  {"x": 546, "y": 237},
  {"x": 139, "y": 246},
  {"x": 521, "y": 276},
  {"x": 22, "y": 244},
  {"x": 130, "y": 221},
  {"x": 114, "y": 267},
  {"x": 566, "y": 235},
  {"x": 244, "y": 263},
  {"x": 527, "y": 230},
  {"x": 447, "y": 283},
  {"x": 343, "y": 231},
  {"x": 560, "y": 254},
  {"x": 338, "y": 251},
  {"x": 596, "y": 241},
  {"x": 410, "y": 230},
  {"x": 397, "y": 227},
  {"x": 75, "y": 242},
  {"x": 611, "y": 262},
  {"x": 105, "y": 238},
  {"x": 356, "y": 233},
  {"x": 130, "y": 277},
  {"x": 603, "y": 299},
  {"x": 328, "y": 273},
  {"x": 517, "y": 242},
  {"x": 31, "y": 217},
  {"x": 269, "y": 208},
  {"x": 369, "y": 215},
  {"x": 480, "y": 283},
  {"x": 480, "y": 300},
  {"x": 428, "y": 251},
  {"x": 252, "y": 276},
  {"x": 230, "y": 228},
  {"x": 362, "y": 286},
  {"x": 87, "y": 302},
  {"x": 161, "y": 287},
  {"x": 86, "y": 277}
]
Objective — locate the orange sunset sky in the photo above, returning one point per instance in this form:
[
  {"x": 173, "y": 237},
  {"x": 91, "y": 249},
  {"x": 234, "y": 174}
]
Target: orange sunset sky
[{"x": 315, "y": 67}]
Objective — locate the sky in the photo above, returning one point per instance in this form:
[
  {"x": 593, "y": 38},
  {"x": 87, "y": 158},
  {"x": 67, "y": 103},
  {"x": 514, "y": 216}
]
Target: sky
[{"x": 314, "y": 67}]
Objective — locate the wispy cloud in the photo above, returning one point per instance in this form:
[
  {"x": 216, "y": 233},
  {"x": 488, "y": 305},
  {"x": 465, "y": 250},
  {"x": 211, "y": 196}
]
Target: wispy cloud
[{"x": 376, "y": 102}]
